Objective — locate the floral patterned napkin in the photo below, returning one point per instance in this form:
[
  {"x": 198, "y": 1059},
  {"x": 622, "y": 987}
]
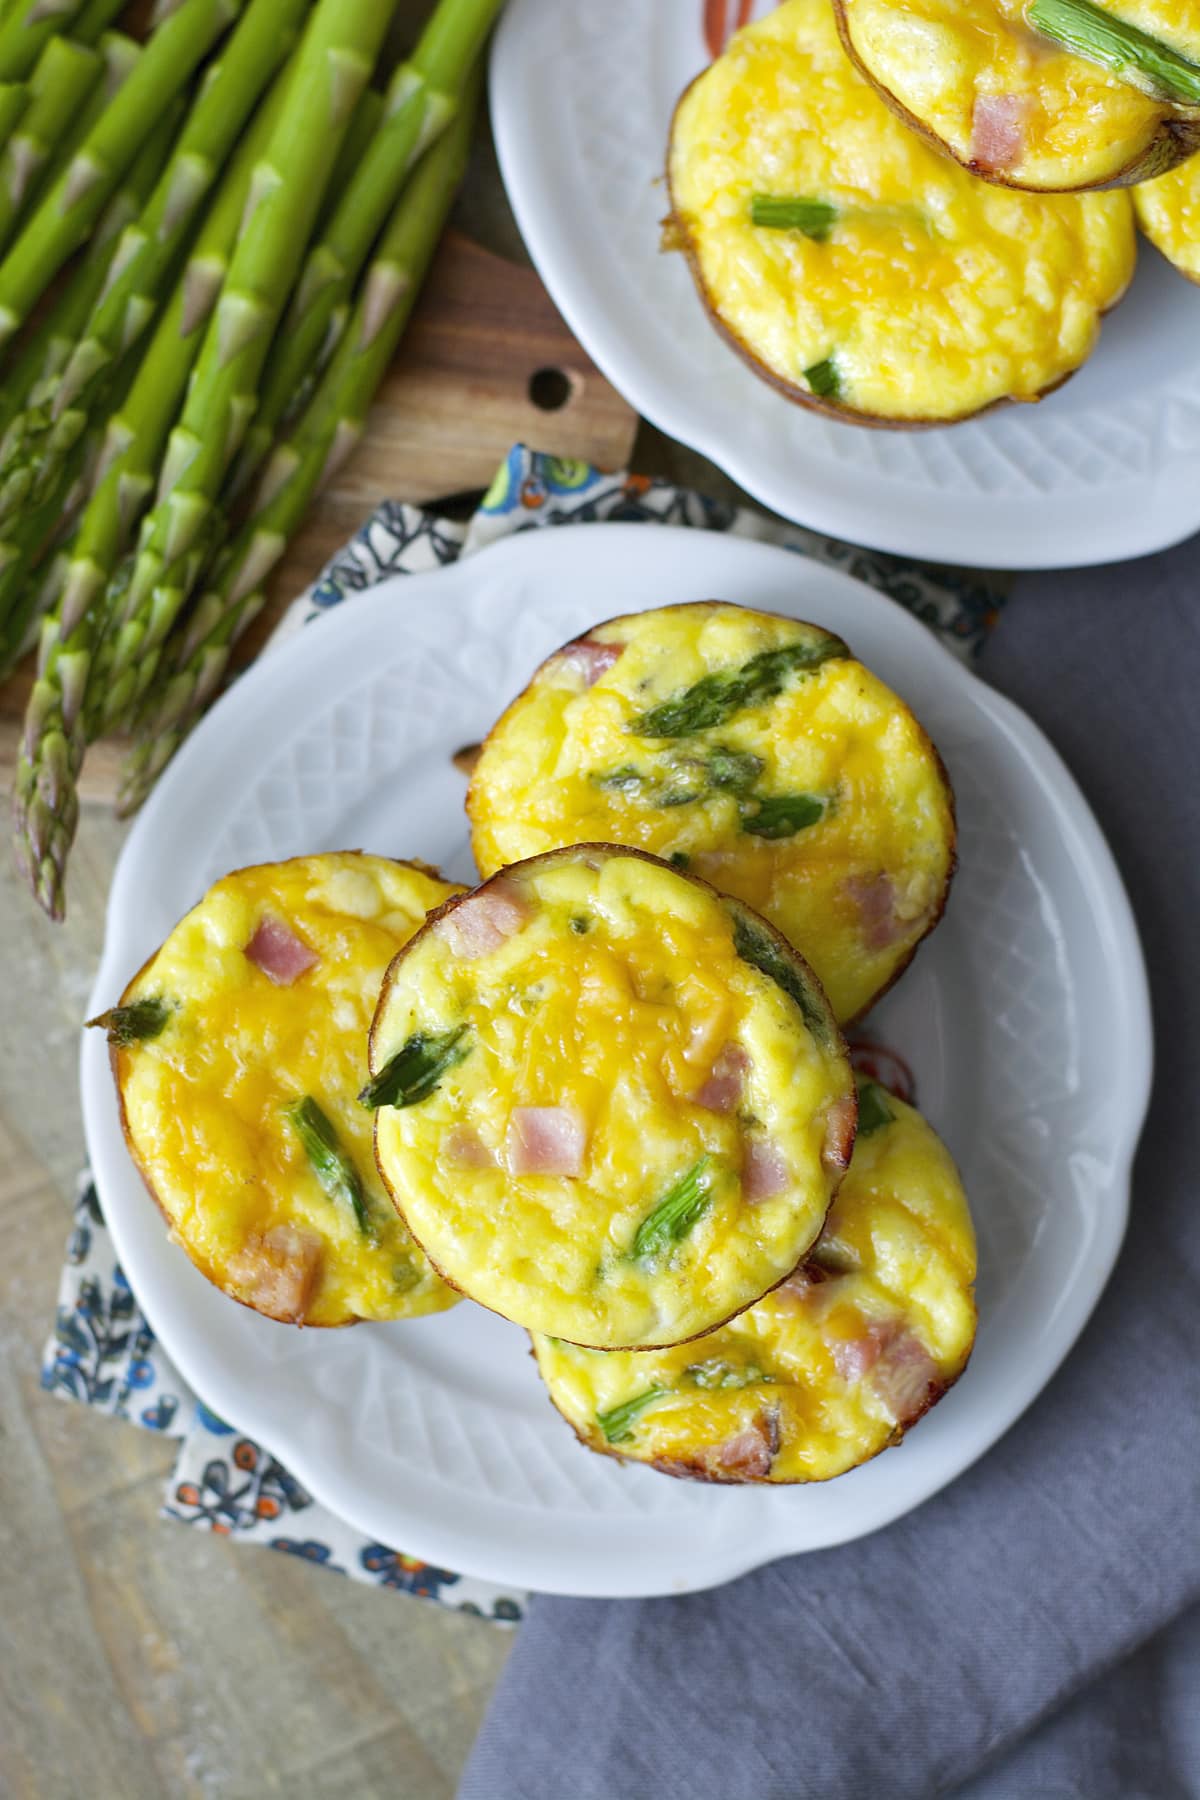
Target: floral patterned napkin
[{"x": 102, "y": 1352}]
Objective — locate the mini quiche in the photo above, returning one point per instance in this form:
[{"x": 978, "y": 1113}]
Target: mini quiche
[
  {"x": 857, "y": 270},
  {"x": 612, "y": 1104},
  {"x": 831, "y": 1367},
  {"x": 1054, "y": 95},
  {"x": 750, "y": 749},
  {"x": 1168, "y": 211},
  {"x": 238, "y": 1053}
]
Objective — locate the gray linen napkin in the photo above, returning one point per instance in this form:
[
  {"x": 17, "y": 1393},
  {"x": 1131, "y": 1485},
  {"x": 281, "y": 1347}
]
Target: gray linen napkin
[{"x": 1026, "y": 1635}]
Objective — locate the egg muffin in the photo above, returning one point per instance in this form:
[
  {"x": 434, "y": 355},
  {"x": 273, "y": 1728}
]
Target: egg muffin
[
  {"x": 750, "y": 749},
  {"x": 832, "y": 1366},
  {"x": 238, "y": 1052},
  {"x": 612, "y": 1104},
  {"x": 1168, "y": 211},
  {"x": 857, "y": 270},
  {"x": 1053, "y": 95}
]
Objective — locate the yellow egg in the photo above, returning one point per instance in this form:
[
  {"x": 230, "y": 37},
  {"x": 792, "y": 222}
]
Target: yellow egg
[
  {"x": 1065, "y": 122},
  {"x": 909, "y": 292},
  {"x": 751, "y": 750},
  {"x": 613, "y": 1105},
  {"x": 257, "y": 1005},
  {"x": 1168, "y": 211},
  {"x": 831, "y": 1367}
]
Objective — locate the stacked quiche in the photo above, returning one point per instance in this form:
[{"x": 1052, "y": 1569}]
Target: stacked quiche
[
  {"x": 606, "y": 1093},
  {"x": 904, "y": 212}
]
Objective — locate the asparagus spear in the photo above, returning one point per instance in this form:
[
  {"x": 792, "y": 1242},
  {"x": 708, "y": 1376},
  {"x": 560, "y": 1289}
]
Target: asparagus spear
[
  {"x": 1131, "y": 54},
  {"x": 329, "y": 1162},
  {"x": 74, "y": 202},
  {"x": 25, "y": 34},
  {"x": 334, "y": 65},
  {"x": 717, "y": 697},
  {"x": 332, "y": 424},
  {"x": 55, "y": 734},
  {"x": 423, "y": 96},
  {"x": 44, "y": 436},
  {"x": 681, "y": 1207},
  {"x": 416, "y": 1069},
  {"x": 14, "y": 98},
  {"x": 135, "y": 1023},
  {"x": 815, "y": 218},
  {"x": 65, "y": 74},
  {"x": 873, "y": 1109},
  {"x": 618, "y": 1422}
]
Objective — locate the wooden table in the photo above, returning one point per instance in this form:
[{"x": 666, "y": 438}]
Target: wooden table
[{"x": 138, "y": 1658}]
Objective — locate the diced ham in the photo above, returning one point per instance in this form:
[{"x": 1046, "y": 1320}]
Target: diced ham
[
  {"x": 750, "y": 1454},
  {"x": 764, "y": 1172},
  {"x": 801, "y": 1282},
  {"x": 279, "y": 953},
  {"x": 840, "y": 1119},
  {"x": 902, "y": 1372},
  {"x": 278, "y": 1271},
  {"x": 875, "y": 898},
  {"x": 546, "y": 1140},
  {"x": 905, "y": 1377},
  {"x": 591, "y": 659},
  {"x": 997, "y": 130},
  {"x": 485, "y": 920},
  {"x": 467, "y": 1150},
  {"x": 725, "y": 1084}
]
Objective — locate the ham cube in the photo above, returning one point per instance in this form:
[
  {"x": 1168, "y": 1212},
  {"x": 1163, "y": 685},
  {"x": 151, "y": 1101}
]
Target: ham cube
[
  {"x": 997, "y": 131},
  {"x": 546, "y": 1140},
  {"x": 279, "y": 1270},
  {"x": 485, "y": 920},
  {"x": 279, "y": 953}
]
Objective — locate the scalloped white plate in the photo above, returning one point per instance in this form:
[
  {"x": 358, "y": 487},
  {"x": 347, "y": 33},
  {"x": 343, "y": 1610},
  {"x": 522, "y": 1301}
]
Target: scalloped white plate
[
  {"x": 1108, "y": 467},
  {"x": 1025, "y": 1019}
]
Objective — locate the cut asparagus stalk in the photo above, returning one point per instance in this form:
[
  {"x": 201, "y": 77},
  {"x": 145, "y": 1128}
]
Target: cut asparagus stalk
[
  {"x": 782, "y": 815},
  {"x": 758, "y": 947},
  {"x": 334, "y": 65},
  {"x": 14, "y": 100},
  {"x": 72, "y": 205},
  {"x": 824, "y": 379},
  {"x": 873, "y": 1109},
  {"x": 815, "y": 218},
  {"x": 618, "y": 1422},
  {"x": 135, "y": 1023},
  {"x": 422, "y": 97},
  {"x": 55, "y": 731},
  {"x": 65, "y": 74},
  {"x": 329, "y": 1161},
  {"x": 332, "y": 424},
  {"x": 416, "y": 1069},
  {"x": 717, "y": 697},
  {"x": 26, "y": 32},
  {"x": 149, "y": 247},
  {"x": 1132, "y": 55},
  {"x": 679, "y": 1210}
]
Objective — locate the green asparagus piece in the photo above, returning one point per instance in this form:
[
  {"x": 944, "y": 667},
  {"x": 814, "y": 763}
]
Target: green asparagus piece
[
  {"x": 422, "y": 97},
  {"x": 717, "y": 697},
  {"x": 782, "y": 815},
  {"x": 26, "y": 32},
  {"x": 873, "y": 1109},
  {"x": 815, "y": 218},
  {"x": 760, "y": 949},
  {"x": 618, "y": 1422},
  {"x": 149, "y": 247},
  {"x": 416, "y": 1069},
  {"x": 680, "y": 1208},
  {"x": 72, "y": 205},
  {"x": 332, "y": 424},
  {"x": 55, "y": 731},
  {"x": 135, "y": 1023},
  {"x": 824, "y": 379},
  {"x": 14, "y": 99},
  {"x": 65, "y": 74},
  {"x": 1132, "y": 55},
  {"x": 334, "y": 65},
  {"x": 329, "y": 1161}
]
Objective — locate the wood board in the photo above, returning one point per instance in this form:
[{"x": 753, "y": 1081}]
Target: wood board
[{"x": 456, "y": 399}]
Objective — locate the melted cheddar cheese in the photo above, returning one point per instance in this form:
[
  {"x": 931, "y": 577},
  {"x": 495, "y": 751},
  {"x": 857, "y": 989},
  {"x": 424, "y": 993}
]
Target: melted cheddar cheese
[
  {"x": 205, "y": 1099},
  {"x": 617, "y": 989},
  {"x": 930, "y": 294},
  {"x": 827, "y": 1370},
  {"x": 854, "y": 880}
]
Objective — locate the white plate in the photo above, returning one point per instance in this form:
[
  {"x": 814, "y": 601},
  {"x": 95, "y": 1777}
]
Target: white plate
[
  {"x": 1025, "y": 1020},
  {"x": 1108, "y": 467}
]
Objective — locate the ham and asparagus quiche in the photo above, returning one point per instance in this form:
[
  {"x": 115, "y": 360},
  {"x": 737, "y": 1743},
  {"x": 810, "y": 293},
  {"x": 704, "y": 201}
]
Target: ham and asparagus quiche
[
  {"x": 831, "y": 1367},
  {"x": 612, "y": 1104},
  {"x": 238, "y": 1053},
  {"x": 750, "y": 749},
  {"x": 857, "y": 270},
  {"x": 1054, "y": 95},
  {"x": 1168, "y": 211}
]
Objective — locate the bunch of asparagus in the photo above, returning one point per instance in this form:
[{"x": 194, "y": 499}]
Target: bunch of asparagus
[{"x": 210, "y": 244}]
